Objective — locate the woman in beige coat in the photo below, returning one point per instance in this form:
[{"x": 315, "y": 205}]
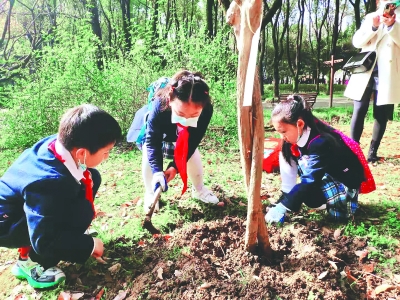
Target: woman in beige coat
[{"x": 382, "y": 34}]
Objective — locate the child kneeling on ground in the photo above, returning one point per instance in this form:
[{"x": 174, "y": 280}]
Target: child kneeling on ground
[
  {"x": 332, "y": 167},
  {"x": 46, "y": 196}
]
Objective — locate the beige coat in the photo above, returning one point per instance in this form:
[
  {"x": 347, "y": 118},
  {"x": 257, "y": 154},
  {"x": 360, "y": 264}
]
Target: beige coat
[{"x": 387, "y": 45}]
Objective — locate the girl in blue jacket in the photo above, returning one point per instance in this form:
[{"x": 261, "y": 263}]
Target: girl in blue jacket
[
  {"x": 331, "y": 166},
  {"x": 176, "y": 123}
]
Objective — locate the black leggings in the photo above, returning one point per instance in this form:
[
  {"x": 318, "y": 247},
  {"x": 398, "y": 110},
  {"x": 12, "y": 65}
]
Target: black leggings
[{"x": 381, "y": 115}]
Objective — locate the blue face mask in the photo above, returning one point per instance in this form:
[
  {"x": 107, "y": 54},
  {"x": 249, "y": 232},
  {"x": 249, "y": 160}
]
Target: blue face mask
[
  {"x": 82, "y": 166},
  {"x": 187, "y": 122}
]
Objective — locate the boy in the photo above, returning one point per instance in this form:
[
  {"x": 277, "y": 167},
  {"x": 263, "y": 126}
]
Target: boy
[{"x": 46, "y": 196}]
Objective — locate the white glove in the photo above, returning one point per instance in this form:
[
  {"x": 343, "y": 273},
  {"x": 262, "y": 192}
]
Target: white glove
[
  {"x": 276, "y": 214},
  {"x": 159, "y": 180}
]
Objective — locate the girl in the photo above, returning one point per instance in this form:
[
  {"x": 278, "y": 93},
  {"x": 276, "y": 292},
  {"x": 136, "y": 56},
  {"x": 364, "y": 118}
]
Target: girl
[
  {"x": 176, "y": 123},
  {"x": 331, "y": 166},
  {"x": 379, "y": 32}
]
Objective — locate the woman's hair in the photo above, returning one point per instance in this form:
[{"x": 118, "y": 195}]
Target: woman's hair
[
  {"x": 290, "y": 111},
  {"x": 87, "y": 126},
  {"x": 186, "y": 86}
]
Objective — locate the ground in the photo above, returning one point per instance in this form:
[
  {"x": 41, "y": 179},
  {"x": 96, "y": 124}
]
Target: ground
[{"x": 201, "y": 253}]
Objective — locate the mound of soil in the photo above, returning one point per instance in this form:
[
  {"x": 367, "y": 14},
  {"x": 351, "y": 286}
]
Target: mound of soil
[
  {"x": 208, "y": 260},
  {"x": 309, "y": 262}
]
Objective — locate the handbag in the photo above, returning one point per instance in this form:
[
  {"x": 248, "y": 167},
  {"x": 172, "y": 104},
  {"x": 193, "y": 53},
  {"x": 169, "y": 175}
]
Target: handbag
[{"x": 360, "y": 63}]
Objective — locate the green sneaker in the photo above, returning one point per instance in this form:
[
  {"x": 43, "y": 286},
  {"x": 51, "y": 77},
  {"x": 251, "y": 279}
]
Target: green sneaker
[{"x": 37, "y": 277}]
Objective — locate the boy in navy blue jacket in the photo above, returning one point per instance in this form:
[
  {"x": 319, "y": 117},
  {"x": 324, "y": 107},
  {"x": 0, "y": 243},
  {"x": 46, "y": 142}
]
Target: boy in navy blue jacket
[{"x": 46, "y": 196}]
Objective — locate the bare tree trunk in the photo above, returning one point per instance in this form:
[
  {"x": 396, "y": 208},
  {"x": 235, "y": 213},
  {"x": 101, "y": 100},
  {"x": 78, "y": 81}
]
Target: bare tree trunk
[
  {"x": 209, "y": 12},
  {"x": 277, "y": 40},
  {"x": 245, "y": 21},
  {"x": 109, "y": 26},
  {"x": 357, "y": 12},
  {"x": 96, "y": 28},
  {"x": 261, "y": 59},
  {"x": 7, "y": 26},
  {"x": 155, "y": 21},
  {"x": 126, "y": 22}
]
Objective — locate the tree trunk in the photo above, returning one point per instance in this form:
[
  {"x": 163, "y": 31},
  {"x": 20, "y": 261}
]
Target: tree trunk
[
  {"x": 7, "y": 24},
  {"x": 209, "y": 11},
  {"x": 155, "y": 21},
  {"x": 96, "y": 28},
  {"x": 251, "y": 122},
  {"x": 261, "y": 66},
  {"x": 357, "y": 12},
  {"x": 126, "y": 22}
]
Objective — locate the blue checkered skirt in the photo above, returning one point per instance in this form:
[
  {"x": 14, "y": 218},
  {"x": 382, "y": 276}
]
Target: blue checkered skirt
[{"x": 341, "y": 201}]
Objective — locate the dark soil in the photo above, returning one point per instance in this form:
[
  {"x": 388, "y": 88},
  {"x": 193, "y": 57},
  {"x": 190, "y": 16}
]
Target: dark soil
[{"x": 209, "y": 261}]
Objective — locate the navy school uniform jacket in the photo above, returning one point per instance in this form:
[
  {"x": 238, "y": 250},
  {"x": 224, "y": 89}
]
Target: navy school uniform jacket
[
  {"x": 159, "y": 129},
  {"x": 45, "y": 206},
  {"x": 323, "y": 156}
]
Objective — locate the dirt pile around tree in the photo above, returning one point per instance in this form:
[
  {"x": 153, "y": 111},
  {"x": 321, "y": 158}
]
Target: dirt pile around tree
[{"x": 309, "y": 262}]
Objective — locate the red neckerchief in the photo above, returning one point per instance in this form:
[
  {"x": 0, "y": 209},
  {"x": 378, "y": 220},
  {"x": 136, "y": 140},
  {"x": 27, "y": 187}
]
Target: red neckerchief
[
  {"x": 295, "y": 150},
  {"x": 87, "y": 181},
  {"x": 181, "y": 154}
]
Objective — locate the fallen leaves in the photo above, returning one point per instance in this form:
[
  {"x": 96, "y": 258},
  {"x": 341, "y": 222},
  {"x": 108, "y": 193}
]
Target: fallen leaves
[
  {"x": 114, "y": 269},
  {"x": 323, "y": 275},
  {"x": 349, "y": 276},
  {"x": 368, "y": 268},
  {"x": 121, "y": 295},
  {"x": 204, "y": 286},
  {"x": 383, "y": 288},
  {"x": 333, "y": 264},
  {"x": 67, "y": 295},
  {"x": 160, "y": 272},
  {"x": 337, "y": 233},
  {"x": 362, "y": 254}
]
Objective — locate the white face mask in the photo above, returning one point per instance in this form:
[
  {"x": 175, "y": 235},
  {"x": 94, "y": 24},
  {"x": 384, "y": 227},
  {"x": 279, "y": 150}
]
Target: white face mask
[{"x": 192, "y": 122}]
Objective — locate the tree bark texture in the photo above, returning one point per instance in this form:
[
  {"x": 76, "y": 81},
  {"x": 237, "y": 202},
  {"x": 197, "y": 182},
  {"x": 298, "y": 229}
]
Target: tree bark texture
[{"x": 244, "y": 17}]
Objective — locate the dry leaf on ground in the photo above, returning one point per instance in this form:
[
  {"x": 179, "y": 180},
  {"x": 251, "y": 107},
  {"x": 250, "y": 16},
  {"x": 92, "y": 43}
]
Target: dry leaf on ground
[
  {"x": 115, "y": 268},
  {"x": 384, "y": 288},
  {"x": 368, "y": 268},
  {"x": 160, "y": 273},
  {"x": 205, "y": 285},
  {"x": 121, "y": 295},
  {"x": 362, "y": 254},
  {"x": 323, "y": 275}
]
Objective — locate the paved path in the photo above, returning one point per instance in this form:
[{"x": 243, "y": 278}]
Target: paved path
[{"x": 322, "y": 103}]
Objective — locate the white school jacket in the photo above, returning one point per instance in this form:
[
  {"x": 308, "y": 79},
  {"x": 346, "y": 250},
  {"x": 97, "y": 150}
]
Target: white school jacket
[{"x": 386, "y": 43}]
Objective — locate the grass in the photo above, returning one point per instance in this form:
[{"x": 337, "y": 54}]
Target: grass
[{"x": 120, "y": 212}]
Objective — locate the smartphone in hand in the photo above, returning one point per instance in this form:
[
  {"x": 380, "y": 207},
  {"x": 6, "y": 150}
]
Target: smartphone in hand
[{"x": 389, "y": 9}]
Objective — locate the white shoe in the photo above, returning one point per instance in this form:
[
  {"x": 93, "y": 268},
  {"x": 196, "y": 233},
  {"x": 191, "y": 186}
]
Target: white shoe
[
  {"x": 322, "y": 207},
  {"x": 148, "y": 201},
  {"x": 205, "y": 195}
]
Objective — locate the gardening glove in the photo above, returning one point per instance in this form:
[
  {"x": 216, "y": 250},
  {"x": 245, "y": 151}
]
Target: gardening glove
[
  {"x": 276, "y": 214},
  {"x": 159, "y": 180}
]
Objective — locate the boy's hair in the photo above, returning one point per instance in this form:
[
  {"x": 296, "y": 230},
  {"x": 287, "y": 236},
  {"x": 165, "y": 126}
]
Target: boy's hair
[
  {"x": 87, "y": 126},
  {"x": 187, "y": 86},
  {"x": 290, "y": 111}
]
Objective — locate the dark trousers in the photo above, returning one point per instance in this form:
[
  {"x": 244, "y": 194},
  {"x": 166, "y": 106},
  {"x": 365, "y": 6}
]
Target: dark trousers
[
  {"x": 24, "y": 230},
  {"x": 381, "y": 115}
]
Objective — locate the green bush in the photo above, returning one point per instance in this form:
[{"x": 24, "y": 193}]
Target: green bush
[{"x": 66, "y": 75}]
